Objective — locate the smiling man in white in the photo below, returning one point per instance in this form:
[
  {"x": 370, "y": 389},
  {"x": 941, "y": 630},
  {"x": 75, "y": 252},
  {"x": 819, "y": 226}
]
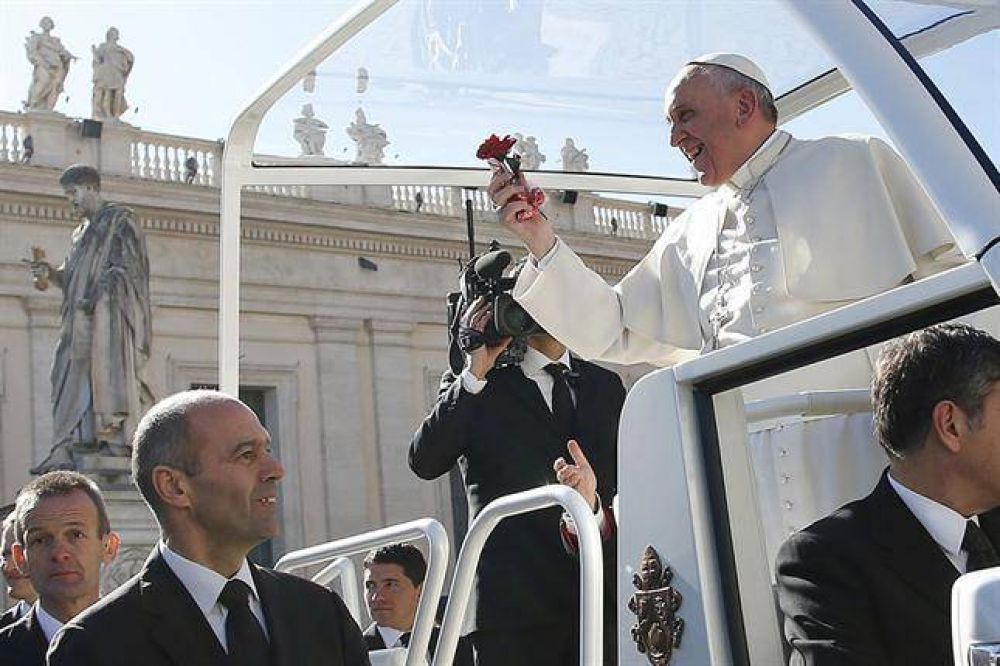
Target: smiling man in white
[{"x": 203, "y": 463}]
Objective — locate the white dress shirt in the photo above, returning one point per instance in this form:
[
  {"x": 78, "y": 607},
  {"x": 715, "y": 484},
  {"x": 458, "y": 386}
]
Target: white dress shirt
[
  {"x": 533, "y": 367},
  {"x": 47, "y": 622},
  {"x": 205, "y": 586},
  {"x": 389, "y": 635},
  {"x": 946, "y": 526}
]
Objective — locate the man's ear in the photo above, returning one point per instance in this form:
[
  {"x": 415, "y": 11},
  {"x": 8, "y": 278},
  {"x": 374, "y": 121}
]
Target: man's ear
[
  {"x": 171, "y": 486},
  {"x": 111, "y": 544},
  {"x": 18, "y": 557},
  {"x": 948, "y": 423},
  {"x": 746, "y": 106}
]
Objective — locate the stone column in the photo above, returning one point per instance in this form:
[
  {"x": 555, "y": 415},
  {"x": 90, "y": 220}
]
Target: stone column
[
  {"x": 138, "y": 529},
  {"x": 43, "y": 334},
  {"x": 395, "y": 385},
  {"x": 351, "y": 475}
]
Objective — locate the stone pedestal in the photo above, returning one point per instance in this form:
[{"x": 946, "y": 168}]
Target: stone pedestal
[
  {"x": 139, "y": 532},
  {"x": 130, "y": 518}
]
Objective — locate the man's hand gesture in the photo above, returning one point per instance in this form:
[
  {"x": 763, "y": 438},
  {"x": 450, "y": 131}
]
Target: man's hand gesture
[
  {"x": 509, "y": 192},
  {"x": 579, "y": 476}
]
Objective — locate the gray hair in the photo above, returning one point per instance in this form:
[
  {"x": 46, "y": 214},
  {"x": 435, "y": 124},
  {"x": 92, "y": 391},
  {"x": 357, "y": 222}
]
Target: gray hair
[
  {"x": 163, "y": 438},
  {"x": 728, "y": 81}
]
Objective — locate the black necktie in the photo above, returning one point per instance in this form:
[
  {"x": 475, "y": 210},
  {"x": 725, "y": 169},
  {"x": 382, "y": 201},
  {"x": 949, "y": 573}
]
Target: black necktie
[
  {"x": 982, "y": 554},
  {"x": 245, "y": 640},
  {"x": 404, "y": 639},
  {"x": 562, "y": 401}
]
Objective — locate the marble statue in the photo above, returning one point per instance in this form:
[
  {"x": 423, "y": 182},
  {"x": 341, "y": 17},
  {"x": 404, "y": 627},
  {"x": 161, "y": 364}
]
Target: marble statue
[
  {"x": 309, "y": 131},
  {"x": 99, "y": 387},
  {"x": 371, "y": 139},
  {"x": 112, "y": 66},
  {"x": 50, "y": 61},
  {"x": 531, "y": 156},
  {"x": 573, "y": 158}
]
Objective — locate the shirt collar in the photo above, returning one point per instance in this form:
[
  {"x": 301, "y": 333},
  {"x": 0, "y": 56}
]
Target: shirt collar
[
  {"x": 203, "y": 584},
  {"x": 945, "y": 525},
  {"x": 49, "y": 624},
  {"x": 390, "y": 636},
  {"x": 535, "y": 361},
  {"x": 758, "y": 163}
]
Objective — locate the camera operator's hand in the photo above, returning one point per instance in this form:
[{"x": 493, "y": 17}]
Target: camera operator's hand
[
  {"x": 508, "y": 192},
  {"x": 482, "y": 359},
  {"x": 579, "y": 476}
]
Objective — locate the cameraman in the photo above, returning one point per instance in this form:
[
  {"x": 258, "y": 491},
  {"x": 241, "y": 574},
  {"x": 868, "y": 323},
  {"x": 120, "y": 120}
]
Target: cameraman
[{"x": 506, "y": 424}]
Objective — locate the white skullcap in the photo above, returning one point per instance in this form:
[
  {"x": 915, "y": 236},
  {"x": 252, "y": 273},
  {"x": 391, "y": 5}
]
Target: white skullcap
[{"x": 737, "y": 63}]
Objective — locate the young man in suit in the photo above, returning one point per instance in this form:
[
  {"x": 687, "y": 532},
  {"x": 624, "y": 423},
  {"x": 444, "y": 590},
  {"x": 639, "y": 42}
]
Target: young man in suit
[
  {"x": 18, "y": 584},
  {"x": 505, "y": 426},
  {"x": 203, "y": 463},
  {"x": 871, "y": 584},
  {"x": 63, "y": 536},
  {"x": 394, "y": 581}
]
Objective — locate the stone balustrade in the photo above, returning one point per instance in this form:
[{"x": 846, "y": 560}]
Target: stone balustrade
[
  {"x": 165, "y": 157},
  {"x": 133, "y": 152},
  {"x": 13, "y": 130}
]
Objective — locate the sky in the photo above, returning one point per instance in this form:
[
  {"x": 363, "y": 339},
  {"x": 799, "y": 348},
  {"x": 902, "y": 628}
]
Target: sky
[{"x": 199, "y": 63}]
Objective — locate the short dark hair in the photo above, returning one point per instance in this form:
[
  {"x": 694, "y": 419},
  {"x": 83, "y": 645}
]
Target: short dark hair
[
  {"x": 57, "y": 484},
  {"x": 163, "y": 438},
  {"x": 405, "y": 555},
  {"x": 80, "y": 174},
  {"x": 954, "y": 362}
]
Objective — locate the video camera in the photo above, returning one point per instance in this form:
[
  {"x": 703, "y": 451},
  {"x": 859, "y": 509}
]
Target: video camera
[{"x": 483, "y": 276}]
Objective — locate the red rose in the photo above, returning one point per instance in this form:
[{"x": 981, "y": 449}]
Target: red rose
[{"x": 495, "y": 147}]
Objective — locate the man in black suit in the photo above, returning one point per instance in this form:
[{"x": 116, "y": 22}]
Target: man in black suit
[
  {"x": 203, "y": 463},
  {"x": 871, "y": 584},
  {"x": 505, "y": 426},
  {"x": 18, "y": 584},
  {"x": 394, "y": 580},
  {"x": 62, "y": 537}
]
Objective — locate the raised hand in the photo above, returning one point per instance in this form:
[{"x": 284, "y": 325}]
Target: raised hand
[
  {"x": 510, "y": 193},
  {"x": 579, "y": 476},
  {"x": 483, "y": 358}
]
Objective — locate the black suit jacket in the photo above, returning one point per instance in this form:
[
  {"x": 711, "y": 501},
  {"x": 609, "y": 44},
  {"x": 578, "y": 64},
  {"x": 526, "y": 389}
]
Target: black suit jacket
[
  {"x": 23, "y": 643},
  {"x": 463, "y": 652},
  {"x": 505, "y": 441},
  {"x": 152, "y": 620},
  {"x": 869, "y": 586},
  {"x": 11, "y": 615}
]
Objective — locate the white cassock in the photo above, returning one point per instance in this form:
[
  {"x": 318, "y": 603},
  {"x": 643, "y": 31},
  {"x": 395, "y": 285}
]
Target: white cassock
[{"x": 804, "y": 226}]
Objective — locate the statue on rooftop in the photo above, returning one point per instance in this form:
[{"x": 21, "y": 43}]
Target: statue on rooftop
[
  {"x": 99, "y": 387},
  {"x": 112, "y": 66},
  {"x": 309, "y": 131},
  {"x": 573, "y": 158},
  {"x": 531, "y": 155},
  {"x": 371, "y": 139},
  {"x": 50, "y": 61}
]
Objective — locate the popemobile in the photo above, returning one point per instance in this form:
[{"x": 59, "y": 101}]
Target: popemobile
[{"x": 730, "y": 445}]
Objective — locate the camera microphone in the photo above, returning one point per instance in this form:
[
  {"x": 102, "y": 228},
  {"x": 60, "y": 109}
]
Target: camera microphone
[{"x": 492, "y": 264}]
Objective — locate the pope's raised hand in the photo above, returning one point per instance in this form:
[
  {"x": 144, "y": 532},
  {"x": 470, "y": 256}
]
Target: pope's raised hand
[
  {"x": 509, "y": 193},
  {"x": 579, "y": 476}
]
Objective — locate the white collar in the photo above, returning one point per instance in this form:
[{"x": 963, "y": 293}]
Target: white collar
[
  {"x": 203, "y": 584},
  {"x": 390, "y": 636},
  {"x": 757, "y": 164},
  {"x": 47, "y": 622},
  {"x": 535, "y": 361},
  {"x": 945, "y": 525}
]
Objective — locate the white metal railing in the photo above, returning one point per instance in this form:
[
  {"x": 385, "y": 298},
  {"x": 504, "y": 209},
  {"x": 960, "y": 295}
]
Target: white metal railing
[
  {"x": 343, "y": 569},
  {"x": 437, "y": 563},
  {"x": 12, "y": 132},
  {"x": 810, "y": 403},
  {"x": 591, "y": 562}
]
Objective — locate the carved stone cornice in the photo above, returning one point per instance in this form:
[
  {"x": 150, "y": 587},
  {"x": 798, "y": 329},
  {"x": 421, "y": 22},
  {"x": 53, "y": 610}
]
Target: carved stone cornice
[
  {"x": 391, "y": 333},
  {"x": 344, "y": 330}
]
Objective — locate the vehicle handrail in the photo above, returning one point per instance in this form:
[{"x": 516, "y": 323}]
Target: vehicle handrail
[
  {"x": 591, "y": 564},
  {"x": 437, "y": 563},
  {"x": 810, "y": 403},
  {"x": 345, "y": 570}
]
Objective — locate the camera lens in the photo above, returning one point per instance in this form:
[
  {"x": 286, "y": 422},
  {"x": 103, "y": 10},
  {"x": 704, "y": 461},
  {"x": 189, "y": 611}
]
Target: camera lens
[{"x": 512, "y": 319}]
